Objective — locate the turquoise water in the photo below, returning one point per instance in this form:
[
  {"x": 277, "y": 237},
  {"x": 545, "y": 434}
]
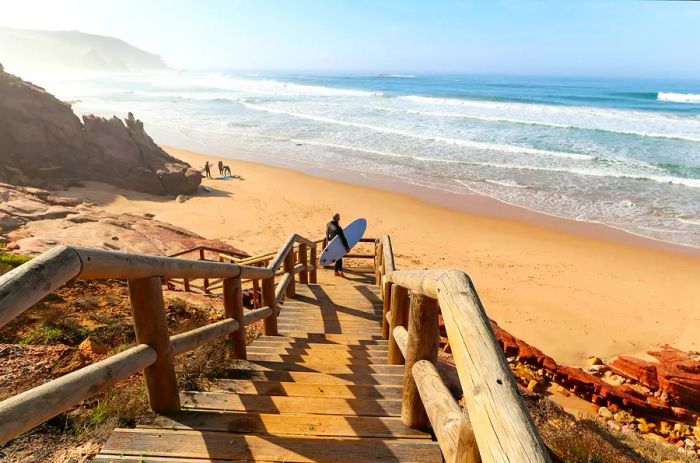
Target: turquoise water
[{"x": 621, "y": 152}]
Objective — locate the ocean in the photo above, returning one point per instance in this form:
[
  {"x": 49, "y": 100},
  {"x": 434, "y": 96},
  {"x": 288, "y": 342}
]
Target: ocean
[{"x": 622, "y": 152}]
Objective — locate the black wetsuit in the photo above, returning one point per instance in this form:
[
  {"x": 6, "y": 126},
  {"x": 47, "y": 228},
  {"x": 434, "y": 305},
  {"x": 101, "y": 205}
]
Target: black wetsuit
[{"x": 333, "y": 229}]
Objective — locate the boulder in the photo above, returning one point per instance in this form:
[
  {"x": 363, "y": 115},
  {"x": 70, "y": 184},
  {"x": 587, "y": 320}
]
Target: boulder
[{"x": 44, "y": 144}]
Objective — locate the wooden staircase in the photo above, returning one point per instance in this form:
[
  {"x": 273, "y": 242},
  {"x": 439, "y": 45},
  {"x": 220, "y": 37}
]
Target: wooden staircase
[{"x": 320, "y": 391}]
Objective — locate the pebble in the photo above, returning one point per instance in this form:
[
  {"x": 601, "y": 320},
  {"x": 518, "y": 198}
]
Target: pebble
[{"x": 605, "y": 413}]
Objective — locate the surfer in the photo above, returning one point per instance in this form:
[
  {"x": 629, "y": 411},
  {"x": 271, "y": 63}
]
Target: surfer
[
  {"x": 334, "y": 229},
  {"x": 207, "y": 169},
  {"x": 221, "y": 168},
  {"x": 227, "y": 171}
]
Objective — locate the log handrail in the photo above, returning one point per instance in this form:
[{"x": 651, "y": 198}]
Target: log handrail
[
  {"x": 496, "y": 426},
  {"x": 27, "y": 284},
  {"x": 205, "y": 248}
]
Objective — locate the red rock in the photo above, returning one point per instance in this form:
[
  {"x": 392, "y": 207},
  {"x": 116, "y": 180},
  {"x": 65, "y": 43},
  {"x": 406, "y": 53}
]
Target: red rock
[{"x": 639, "y": 370}]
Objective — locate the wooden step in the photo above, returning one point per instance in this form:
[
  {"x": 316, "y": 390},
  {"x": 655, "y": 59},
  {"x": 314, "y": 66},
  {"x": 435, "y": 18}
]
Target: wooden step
[
  {"x": 314, "y": 359},
  {"x": 311, "y": 377},
  {"x": 341, "y": 338},
  {"x": 320, "y": 338},
  {"x": 339, "y": 391},
  {"x": 285, "y": 404},
  {"x": 280, "y": 342},
  {"x": 265, "y": 423},
  {"x": 224, "y": 446},
  {"x": 320, "y": 368},
  {"x": 315, "y": 352}
]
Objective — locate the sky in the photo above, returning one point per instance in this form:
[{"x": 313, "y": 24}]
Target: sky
[{"x": 634, "y": 38}]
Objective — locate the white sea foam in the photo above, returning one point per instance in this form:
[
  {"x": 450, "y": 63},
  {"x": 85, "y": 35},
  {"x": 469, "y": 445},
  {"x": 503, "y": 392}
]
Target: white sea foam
[
  {"x": 679, "y": 97},
  {"x": 506, "y": 183},
  {"x": 653, "y": 124},
  {"x": 541, "y": 123},
  {"x": 447, "y": 140}
]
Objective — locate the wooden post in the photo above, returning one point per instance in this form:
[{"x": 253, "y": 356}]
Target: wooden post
[
  {"x": 151, "y": 328},
  {"x": 386, "y": 290},
  {"x": 378, "y": 257},
  {"x": 187, "y": 284},
  {"x": 399, "y": 317},
  {"x": 206, "y": 280},
  {"x": 289, "y": 268},
  {"x": 268, "y": 290},
  {"x": 313, "y": 260},
  {"x": 233, "y": 308},
  {"x": 303, "y": 259},
  {"x": 423, "y": 342},
  {"x": 256, "y": 290}
]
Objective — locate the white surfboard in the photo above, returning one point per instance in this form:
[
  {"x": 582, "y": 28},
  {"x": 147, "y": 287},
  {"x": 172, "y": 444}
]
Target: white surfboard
[{"x": 335, "y": 249}]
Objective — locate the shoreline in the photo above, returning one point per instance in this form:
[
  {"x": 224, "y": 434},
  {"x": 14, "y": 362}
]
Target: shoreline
[
  {"x": 568, "y": 294},
  {"x": 470, "y": 203}
]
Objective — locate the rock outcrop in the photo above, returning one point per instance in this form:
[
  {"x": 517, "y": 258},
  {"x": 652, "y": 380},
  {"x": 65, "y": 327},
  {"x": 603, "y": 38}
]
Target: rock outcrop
[
  {"x": 44, "y": 144},
  {"x": 33, "y": 220}
]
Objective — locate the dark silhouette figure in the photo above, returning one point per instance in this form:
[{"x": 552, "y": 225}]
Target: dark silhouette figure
[
  {"x": 334, "y": 229},
  {"x": 226, "y": 171},
  {"x": 221, "y": 168},
  {"x": 207, "y": 169}
]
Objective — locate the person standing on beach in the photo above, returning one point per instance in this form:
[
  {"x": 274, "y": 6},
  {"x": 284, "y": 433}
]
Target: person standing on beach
[
  {"x": 207, "y": 169},
  {"x": 221, "y": 168},
  {"x": 334, "y": 229}
]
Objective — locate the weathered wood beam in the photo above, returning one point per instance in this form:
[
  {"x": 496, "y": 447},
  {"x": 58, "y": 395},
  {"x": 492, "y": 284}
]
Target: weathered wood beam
[
  {"x": 450, "y": 424},
  {"x": 24, "y": 411},
  {"x": 190, "y": 340},
  {"x": 152, "y": 328}
]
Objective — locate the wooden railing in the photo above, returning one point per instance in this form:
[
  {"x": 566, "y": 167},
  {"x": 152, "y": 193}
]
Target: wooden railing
[
  {"x": 155, "y": 350},
  {"x": 200, "y": 253},
  {"x": 497, "y": 427}
]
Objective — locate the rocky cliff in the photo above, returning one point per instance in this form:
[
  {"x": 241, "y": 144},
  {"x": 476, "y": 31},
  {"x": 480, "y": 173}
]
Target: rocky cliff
[
  {"x": 43, "y": 143},
  {"x": 70, "y": 50}
]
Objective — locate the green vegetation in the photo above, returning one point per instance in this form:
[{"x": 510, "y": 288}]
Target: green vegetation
[
  {"x": 51, "y": 332},
  {"x": 10, "y": 261}
]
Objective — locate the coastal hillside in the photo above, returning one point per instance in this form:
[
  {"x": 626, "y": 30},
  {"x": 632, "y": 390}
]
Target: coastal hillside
[
  {"x": 70, "y": 50},
  {"x": 43, "y": 143}
]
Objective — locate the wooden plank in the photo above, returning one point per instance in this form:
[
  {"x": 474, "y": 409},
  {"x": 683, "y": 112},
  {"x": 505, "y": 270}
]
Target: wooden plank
[
  {"x": 256, "y": 348},
  {"x": 266, "y": 423},
  {"x": 321, "y": 367},
  {"x": 285, "y": 404},
  {"x": 328, "y": 359},
  {"x": 311, "y": 377},
  {"x": 316, "y": 346},
  {"x": 322, "y": 338},
  {"x": 151, "y": 328},
  {"x": 340, "y": 391},
  {"x": 229, "y": 446},
  {"x": 340, "y": 338}
]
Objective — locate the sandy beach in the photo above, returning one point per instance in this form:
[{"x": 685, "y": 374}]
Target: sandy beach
[{"x": 571, "y": 289}]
